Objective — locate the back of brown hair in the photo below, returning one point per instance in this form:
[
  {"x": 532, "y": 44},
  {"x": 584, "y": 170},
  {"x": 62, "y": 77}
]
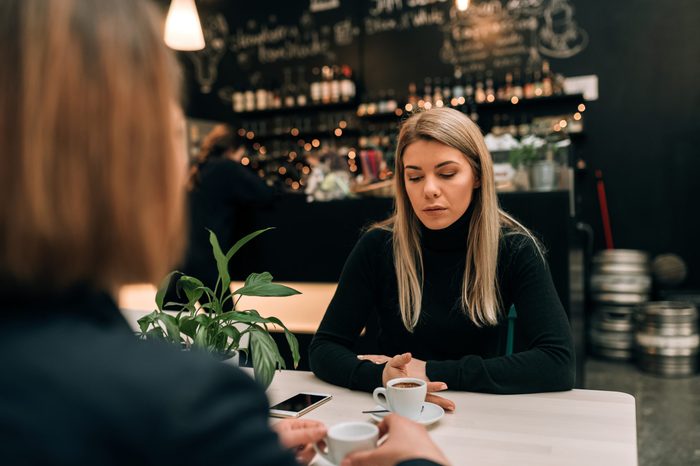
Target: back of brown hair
[{"x": 91, "y": 190}]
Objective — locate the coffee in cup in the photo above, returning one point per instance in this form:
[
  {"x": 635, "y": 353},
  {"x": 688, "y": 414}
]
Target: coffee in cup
[
  {"x": 348, "y": 437},
  {"x": 406, "y": 385},
  {"x": 403, "y": 396}
]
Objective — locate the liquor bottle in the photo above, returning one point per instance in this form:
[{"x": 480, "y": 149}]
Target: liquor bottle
[
  {"x": 412, "y": 95},
  {"x": 335, "y": 83},
  {"x": 458, "y": 87},
  {"x": 547, "y": 82},
  {"x": 490, "y": 90},
  {"x": 347, "y": 85},
  {"x": 391, "y": 103},
  {"x": 326, "y": 77},
  {"x": 468, "y": 90},
  {"x": 288, "y": 90},
  {"x": 507, "y": 89},
  {"x": 427, "y": 90},
  {"x": 517, "y": 84},
  {"x": 381, "y": 102},
  {"x": 238, "y": 101},
  {"x": 261, "y": 98},
  {"x": 437, "y": 92},
  {"x": 316, "y": 85},
  {"x": 302, "y": 87},
  {"x": 479, "y": 93},
  {"x": 249, "y": 97},
  {"x": 529, "y": 86},
  {"x": 537, "y": 83},
  {"x": 446, "y": 91}
]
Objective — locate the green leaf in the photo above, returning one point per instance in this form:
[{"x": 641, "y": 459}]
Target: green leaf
[
  {"x": 260, "y": 284},
  {"x": 147, "y": 320},
  {"x": 234, "y": 334},
  {"x": 221, "y": 260},
  {"x": 243, "y": 316},
  {"x": 293, "y": 346},
  {"x": 160, "y": 294},
  {"x": 188, "y": 326},
  {"x": 200, "y": 338},
  {"x": 171, "y": 327},
  {"x": 241, "y": 242},
  {"x": 291, "y": 340},
  {"x": 266, "y": 356},
  {"x": 156, "y": 333},
  {"x": 203, "y": 319},
  {"x": 193, "y": 288}
]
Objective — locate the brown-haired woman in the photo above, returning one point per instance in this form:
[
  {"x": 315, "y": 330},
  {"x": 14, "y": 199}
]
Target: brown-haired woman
[
  {"x": 441, "y": 276},
  {"x": 92, "y": 184}
]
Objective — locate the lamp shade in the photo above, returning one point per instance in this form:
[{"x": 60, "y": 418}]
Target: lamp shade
[{"x": 183, "y": 30}]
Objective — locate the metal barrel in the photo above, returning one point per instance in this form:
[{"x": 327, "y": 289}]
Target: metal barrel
[
  {"x": 620, "y": 281},
  {"x": 667, "y": 339},
  {"x": 612, "y": 332}
]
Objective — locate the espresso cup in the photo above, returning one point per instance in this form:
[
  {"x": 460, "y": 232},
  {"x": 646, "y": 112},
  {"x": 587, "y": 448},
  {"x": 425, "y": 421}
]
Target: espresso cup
[
  {"x": 403, "y": 396},
  {"x": 348, "y": 437}
]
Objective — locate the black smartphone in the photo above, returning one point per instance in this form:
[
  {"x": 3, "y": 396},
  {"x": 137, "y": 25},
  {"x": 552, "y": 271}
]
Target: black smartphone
[{"x": 299, "y": 404}]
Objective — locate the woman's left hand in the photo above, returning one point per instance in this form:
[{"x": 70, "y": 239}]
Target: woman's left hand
[
  {"x": 299, "y": 435},
  {"x": 414, "y": 368}
]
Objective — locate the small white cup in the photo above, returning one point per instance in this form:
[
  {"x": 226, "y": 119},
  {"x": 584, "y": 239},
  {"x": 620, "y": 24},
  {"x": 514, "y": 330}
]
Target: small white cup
[
  {"x": 405, "y": 401},
  {"x": 348, "y": 437}
]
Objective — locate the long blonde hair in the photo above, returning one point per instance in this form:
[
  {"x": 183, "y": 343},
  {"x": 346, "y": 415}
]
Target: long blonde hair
[
  {"x": 92, "y": 190},
  {"x": 480, "y": 297}
]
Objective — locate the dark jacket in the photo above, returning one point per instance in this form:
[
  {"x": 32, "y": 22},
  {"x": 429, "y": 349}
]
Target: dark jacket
[{"x": 78, "y": 388}]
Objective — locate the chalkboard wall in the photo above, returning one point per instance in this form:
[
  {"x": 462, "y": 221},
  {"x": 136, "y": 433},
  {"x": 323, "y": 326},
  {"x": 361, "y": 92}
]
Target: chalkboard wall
[{"x": 643, "y": 132}]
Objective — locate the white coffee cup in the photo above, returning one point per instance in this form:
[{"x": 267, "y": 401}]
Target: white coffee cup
[
  {"x": 348, "y": 437},
  {"x": 405, "y": 401}
]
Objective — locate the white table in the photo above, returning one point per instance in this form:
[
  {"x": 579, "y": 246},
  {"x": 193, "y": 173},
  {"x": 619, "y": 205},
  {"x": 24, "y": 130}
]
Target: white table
[{"x": 578, "y": 427}]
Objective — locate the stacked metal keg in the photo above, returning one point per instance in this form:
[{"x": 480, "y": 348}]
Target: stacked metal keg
[
  {"x": 620, "y": 282},
  {"x": 667, "y": 338}
]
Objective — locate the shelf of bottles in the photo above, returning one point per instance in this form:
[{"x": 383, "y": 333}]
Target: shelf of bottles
[
  {"x": 305, "y": 125},
  {"x": 517, "y": 103}
]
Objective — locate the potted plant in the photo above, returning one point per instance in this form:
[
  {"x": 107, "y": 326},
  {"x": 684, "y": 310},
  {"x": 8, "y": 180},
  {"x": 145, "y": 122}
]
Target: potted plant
[
  {"x": 218, "y": 326},
  {"x": 537, "y": 160}
]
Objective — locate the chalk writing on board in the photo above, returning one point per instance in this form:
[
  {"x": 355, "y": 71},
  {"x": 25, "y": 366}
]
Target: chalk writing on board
[
  {"x": 511, "y": 34},
  {"x": 206, "y": 61},
  {"x": 271, "y": 43},
  {"x": 383, "y": 7},
  {"x": 323, "y": 5},
  {"x": 405, "y": 20},
  {"x": 560, "y": 36}
]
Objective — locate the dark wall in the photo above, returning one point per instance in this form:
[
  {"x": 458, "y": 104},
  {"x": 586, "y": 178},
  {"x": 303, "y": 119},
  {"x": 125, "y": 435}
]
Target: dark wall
[{"x": 643, "y": 132}]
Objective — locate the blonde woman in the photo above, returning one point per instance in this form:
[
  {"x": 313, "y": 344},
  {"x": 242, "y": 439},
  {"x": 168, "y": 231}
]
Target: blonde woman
[{"x": 443, "y": 275}]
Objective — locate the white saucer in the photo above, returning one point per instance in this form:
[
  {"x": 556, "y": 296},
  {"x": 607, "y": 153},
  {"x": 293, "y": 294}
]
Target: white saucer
[
  {"x": 431, "y": 414},
  {"x": 321, "y": 461}
]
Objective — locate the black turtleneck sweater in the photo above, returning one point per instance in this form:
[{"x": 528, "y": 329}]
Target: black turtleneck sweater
[{"x": 457, "y": 352}]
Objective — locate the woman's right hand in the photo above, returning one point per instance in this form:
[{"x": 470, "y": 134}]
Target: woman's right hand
[
  {"x": 406, "y": 440},
  {"x": 398, "y": 367}
]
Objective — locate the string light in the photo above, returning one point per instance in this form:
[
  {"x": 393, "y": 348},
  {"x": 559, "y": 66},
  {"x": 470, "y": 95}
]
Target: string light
[{"x": 462, "y": 5}]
